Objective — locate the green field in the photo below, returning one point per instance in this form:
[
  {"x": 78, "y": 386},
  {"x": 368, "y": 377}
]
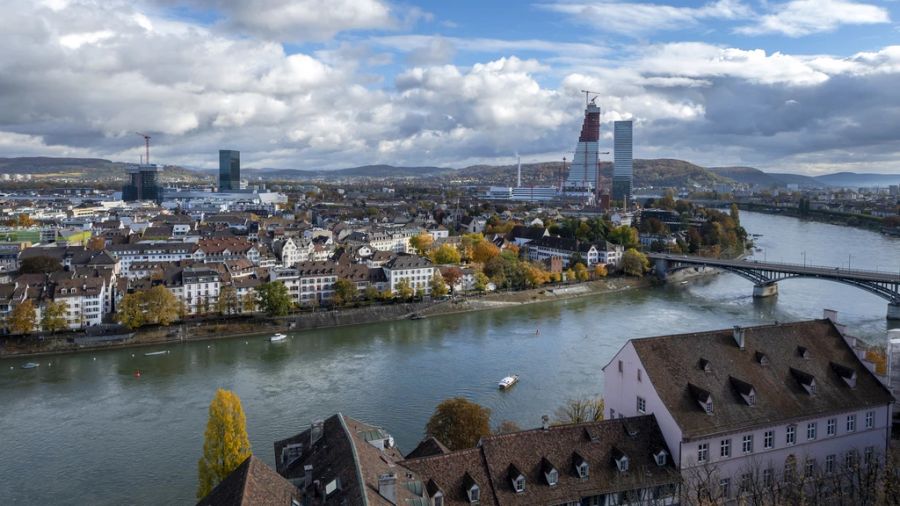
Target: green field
[{"x": 20, "y": 235}]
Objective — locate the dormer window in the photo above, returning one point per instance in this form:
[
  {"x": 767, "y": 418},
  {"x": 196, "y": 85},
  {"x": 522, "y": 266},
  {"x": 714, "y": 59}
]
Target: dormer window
[
  {"x": 516, "y": 478},
  {"x": 744, "y": 389},
  {"x": 705, "y": 366},
  {"x": 583, "y": 470},
  {"x": 806, "y": 380},
  {"x": 803, "y": 353},
  {"x": 622, "y": 464},
  {"x": 660, "y": 457},
  {"x": 519, "y": 484},
  {"x": 552, "y": 478},
  {"x": 702, "y": 397},
  {"x": 474, "y": 494},
  {"x": 762, "y": 359},
  {"x": 437, "y": 500},
  {"x": 846, "y": 373}
]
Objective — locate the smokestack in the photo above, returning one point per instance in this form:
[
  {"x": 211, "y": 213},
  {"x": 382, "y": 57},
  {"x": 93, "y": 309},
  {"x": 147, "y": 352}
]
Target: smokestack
[{"x": 519, "y": 184}]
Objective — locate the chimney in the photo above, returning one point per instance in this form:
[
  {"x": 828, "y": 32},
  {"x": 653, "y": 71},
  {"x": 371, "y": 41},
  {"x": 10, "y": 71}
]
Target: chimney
[
  {"x": 315, "y": 432},
  {"x": 830, "y": 314},
  {"x": 307, "y": 475},
  {"x": 387, "y": 487},
  {"x": 739, "y": 336},
  {"x": 545, "y": 422}
]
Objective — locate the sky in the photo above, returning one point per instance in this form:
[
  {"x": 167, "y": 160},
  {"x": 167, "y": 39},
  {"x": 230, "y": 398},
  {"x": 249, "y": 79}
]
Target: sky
[{"x": 803, "y": 86}]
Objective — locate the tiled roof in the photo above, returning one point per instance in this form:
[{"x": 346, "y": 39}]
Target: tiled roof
[{"x": 253, "y": 483}]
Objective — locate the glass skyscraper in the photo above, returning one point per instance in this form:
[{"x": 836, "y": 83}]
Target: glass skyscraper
[
  {"x": 623, "y": 170},
  {"x": 229, "y": 170}
]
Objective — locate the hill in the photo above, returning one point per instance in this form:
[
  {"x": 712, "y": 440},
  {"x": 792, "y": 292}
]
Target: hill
[
  {"x": 751, "y": 176},
  {"x": 853, "y": 179},
  {"x": 369, "y": 171},
  {"x": 81, "y": 169}
]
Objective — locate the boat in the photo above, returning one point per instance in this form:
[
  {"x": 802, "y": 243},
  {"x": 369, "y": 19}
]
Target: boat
[
  {"x": 154, "y": 353},
  {"x": 29, "y": 365},
  {"x": 508, "y": 381},
  {"x": 277, "y": 338},
  {"x": 416, "y": 317}
]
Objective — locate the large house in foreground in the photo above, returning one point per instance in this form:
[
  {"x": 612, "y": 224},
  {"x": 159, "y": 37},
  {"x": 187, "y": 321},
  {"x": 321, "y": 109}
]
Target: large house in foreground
[{"x": 744, "y": 409}]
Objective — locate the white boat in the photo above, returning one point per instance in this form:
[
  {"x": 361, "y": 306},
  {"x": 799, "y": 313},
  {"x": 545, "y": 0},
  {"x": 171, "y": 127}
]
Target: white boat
[
  {"x": 29, "y": 365},
  {"x": 154, "y": 353},
  {"x": 277, "y": 337},
  {"x": 508, "y": 381}
]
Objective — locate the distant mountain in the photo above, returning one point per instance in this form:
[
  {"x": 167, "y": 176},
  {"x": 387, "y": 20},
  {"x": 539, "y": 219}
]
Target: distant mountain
[
  {"x": 852, "y": 179},
  {"x": 666, "y": 172},
  {"x": 42, "y": 167},
  {"x": 751, "y": 176},
  {"x": 372, "y": 171}
]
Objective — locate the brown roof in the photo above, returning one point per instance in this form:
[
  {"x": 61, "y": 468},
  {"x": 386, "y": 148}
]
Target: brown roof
[
  {"x": 673, "y": 363},
  {"x": 427, "y": 448},
  {"x": 252, "y": 483}
]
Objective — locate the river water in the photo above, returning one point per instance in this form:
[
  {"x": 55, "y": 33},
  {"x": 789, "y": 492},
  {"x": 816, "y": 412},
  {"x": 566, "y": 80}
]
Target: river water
[{"x": 81, "y": 429}]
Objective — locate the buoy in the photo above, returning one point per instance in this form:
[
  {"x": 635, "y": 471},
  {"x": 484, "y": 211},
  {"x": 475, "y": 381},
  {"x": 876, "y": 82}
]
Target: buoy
[
  {"x": 132, "y": 355},
  {"x": 95, "y": 358},
  {"x": 137, "y": 373}
]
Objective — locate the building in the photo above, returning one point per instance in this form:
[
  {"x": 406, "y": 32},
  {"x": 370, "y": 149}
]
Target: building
[
  {"x": 143, "y": 184},
  {"x": 417, "y": 271},
  {"x": 623, "y": 170},
  {"x": 229, "y": 170},
  {"x": 545, "y": 248},
  {"x": 341, "y": 460},
  {"x": 742, "y": 409},
  {"x": 583, "y": 171},
  {"x": 253, "y": 483}
]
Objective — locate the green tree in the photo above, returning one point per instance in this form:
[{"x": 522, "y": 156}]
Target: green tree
[
  {"x": 248, "y": 302},
  {"x": 131, "y": 311},
  {"x": 422, "y": 242},
  {"x": 635, "y": 263},
  {"x": 344, "y": 291},
  {"x": 735, "y": 213},
  {"x": 53, "y": 317},
  {"x": 438, "y": 285},
  {"x": 459, "y": 423},
  {"x": 39, "y": 265},
  {"x": 445, "y": 254},
  {"x": 23, "y": 318},
  {"x": 481, "y": 282},
  {"x": 273, "y": 298},
  {"x": 624, "y": 235},
  {"x": 404, "y": 289},
  {"x": 371, "y": 293},
  {"x": 227, "y": 303},
  {"x": 580, "y": 410},
  {"x": 225, "y": 443},
  {"x": 160, "y": 304}
]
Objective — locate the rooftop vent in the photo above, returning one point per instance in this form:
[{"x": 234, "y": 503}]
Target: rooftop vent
[
  {"x": 846, "y": 373},
  {"x": 806, "y": 380},
  {"x": 738, "y": 335},
  {"x": 545, "y": 422}
]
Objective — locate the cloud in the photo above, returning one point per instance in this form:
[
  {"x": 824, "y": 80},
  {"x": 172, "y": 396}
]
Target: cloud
[
  {"x": 804, "y": 17},
  {"x": 640, "y": 18}
]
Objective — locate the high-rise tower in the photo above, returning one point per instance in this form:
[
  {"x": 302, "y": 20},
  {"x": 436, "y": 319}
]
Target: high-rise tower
[
  {"x": 583, "y": 171},
  {"x": 623, "y": 171},
  {"x": 229, "y": 170}
]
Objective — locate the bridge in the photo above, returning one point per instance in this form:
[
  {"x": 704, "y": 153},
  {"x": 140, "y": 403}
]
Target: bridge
[{"x": 766, "y": 275}]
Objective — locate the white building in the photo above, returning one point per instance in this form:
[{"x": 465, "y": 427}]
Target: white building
[
  {"x": 200, "y": 289},
  {"x": 418, "y": 271},
  {"x": 144, "y": 253},
  {"x": 752, "y": 406}
]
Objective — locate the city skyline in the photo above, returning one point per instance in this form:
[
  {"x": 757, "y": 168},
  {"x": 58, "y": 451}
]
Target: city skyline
[{"x": 797, "y": 86}]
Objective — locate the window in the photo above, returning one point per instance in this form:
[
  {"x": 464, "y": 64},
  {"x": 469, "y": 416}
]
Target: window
[
  {"x": 869, "y": 454},
  {"x": 641, "y": 405},
  {"x": 621, "y": 368},
  {"x": 725, "y": 487},
  {"x": 661, "y": 458},
  {"x": 811, "y": 429},
  {"x": 829, "y": 464},
  {"x": 583, "y": 470},
  {"x": 552, "y": 477},
  {"x": 639, "y": 374},
  {"x": 810, "y": 467},
  {"x": 746, "y": 481},
  {"x": 623, "y": 464},
  {"x": 709, "y": 407},
  {"x": 702, "y": 452},
  {"x": 851, "y": 423},
  {"x": 831, "y": 426},
  {"x": 768, "y": 477},
  {"x": 870, "y": 419},
  {"x": 474, "y": 494},
  {"x": 725, "y": 448},
  {"x": 850, "y": 459},
  {"x": 520, "y": 484},
  {"x": 747, "y": 444},
  {"x": 790, "y": 435},
  {"x": 769, "y": 439}
]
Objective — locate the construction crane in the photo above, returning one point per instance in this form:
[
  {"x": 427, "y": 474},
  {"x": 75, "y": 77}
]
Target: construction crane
[
  {"x": 146, "y": 147},
  {"x": 587, "y": 96}
]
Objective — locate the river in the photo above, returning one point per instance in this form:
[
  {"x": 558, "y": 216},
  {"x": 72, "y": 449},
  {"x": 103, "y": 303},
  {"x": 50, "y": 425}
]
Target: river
[{"x": 81, "y": 429}]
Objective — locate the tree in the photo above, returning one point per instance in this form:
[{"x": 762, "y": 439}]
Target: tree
[
  {"x": 404, "y": 289},
  {"x": 506, "y": 427},
  {"x": 371, "y": 293},
  {"x": 459, "y": 423},
  {"x": 481, "y": 282},
  {"x": 581, "y": 272},
  {"x": 422, "y": 242},
  {"x": 735, "y": 213},
  {"x": 625, "y": 236},
  {"x": 227, "y": 303},
  {"x": 23, "y": 318},
  {"x": 248, "y": 302},
  {"x": 273, "y": 298},
  {"x": 438, "y": 285},
  {"x": 53, "y": 317},
  {"x": 160, "y": 305},
  {"x": 225, "y": 444},
  {"x": 635, "y": 263},
  {"x": 130, "y": 311},
  {"x": 96, "y": 243},
  {"x": 534, "y": 275},
  {"x": 445, "y": 254},
  {"x": 344, "y": 291},
  {"x": 581, "y": 410},
  {"x": 39, "y": 265},
  {"x": 483, "y": 251},
  {"x": 452, "y": 275},
  {"x": 600, "y": 271}
]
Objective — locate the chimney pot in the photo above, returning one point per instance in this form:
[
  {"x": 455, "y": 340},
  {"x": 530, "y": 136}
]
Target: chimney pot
[
  {"x": 739, "y": 336},
  {"x": 545, "y": 422}
]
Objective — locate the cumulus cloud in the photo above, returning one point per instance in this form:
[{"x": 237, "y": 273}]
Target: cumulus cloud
[{"x": 803, "y": 17}]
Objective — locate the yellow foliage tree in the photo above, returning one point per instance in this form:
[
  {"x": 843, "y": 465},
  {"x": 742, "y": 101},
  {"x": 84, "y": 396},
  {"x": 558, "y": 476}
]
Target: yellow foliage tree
[
  {"x": 53, "y": 317},
  {"x": 445, "y": 254},
  {"x": 581, "y": 272},
  {"x": 484, "y": 251},
  {"x": 22, "y": 318},
  {"x": 422, "y": 242},
  {"x": 878, "y": 357},
  {"x": 225, "y": 445},
  {"x": 161, "y": 305},
  {"x": 600, "y": 271}
]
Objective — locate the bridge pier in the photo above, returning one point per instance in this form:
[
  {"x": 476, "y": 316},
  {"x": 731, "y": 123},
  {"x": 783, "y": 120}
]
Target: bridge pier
[
  {"x": 893, "y": 312},
  {"x": 765, "y": 290}
]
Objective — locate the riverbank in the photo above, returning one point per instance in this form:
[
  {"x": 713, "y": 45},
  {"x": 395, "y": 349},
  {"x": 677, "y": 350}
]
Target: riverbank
[
  {"x": 873, "y": 223},
  {"x": 256, "y": 325}
]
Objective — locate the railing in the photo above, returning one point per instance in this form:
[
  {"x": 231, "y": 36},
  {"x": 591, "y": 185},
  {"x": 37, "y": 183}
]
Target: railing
[{"x": 761, "y": 264}]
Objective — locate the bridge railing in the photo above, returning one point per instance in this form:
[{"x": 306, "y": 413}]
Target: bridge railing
[{"x": 765, "y": 263}]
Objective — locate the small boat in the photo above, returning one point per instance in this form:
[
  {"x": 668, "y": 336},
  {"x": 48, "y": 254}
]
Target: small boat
[
  {"x": 154, "y": 353},
  {"x": 508, "y": 381},
  {"x": 684, "y": 282},
  {"x": 277, "y": 338},
  {"x": 416, "y": 317},
  {"x": 29, "y": 365}
]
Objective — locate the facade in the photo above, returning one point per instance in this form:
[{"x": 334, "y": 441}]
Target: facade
[
  {"x": 128, "y": 254},
  {"x": 623, "y": 170},
  {"x": 143, "y": 184},
  {"x": 544, "y": 248},
  {"x": 745, "y": 408},
  {"x": 417, "y": 271},
  {"x": 200, "y": 289},
  {"x": 583, "y": 171},
  {"x": 229, "y": 170}
]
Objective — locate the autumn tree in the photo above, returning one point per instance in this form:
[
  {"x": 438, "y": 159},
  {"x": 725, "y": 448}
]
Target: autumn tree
[
  {"x": 534, "y": 275},
  {"x": 130, "y": 312},
  {"x": 96, "y": 243},
  {"x": 344, "y": 291},
  {"x": 248, "y": 302},
  {"x": 273, "y": 298},
  {"x": 371, "y": 293},
  {"x": 422, "y": 242},
  {"x": 625, "y": 236},
  {"x": 459, "y": 423},
  {"x": 404, "y": 289},
  {"x": 227, "y": 303},
  {"x": 225, "y": 444},
  {"x": 581, "y": 410},
  {"x": 438, "y": 285},
  {"x": 53, "y": 317},
  {"x": 600, "y": 271},
  {"x": 507, "y": 427},
  {"x": 483, "y": 251},
  {"x": 581, "y": 272},
  {"x": 39, "y": 265},
  {"x": 445, "y": 254},
  {"x": 635, "y": 263},
  {"x": 160, "y": 304},
  {"x": 481, "y": 282},
  {"x": 23, "y": 318},
  {"x": 452, "y": 275}
]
